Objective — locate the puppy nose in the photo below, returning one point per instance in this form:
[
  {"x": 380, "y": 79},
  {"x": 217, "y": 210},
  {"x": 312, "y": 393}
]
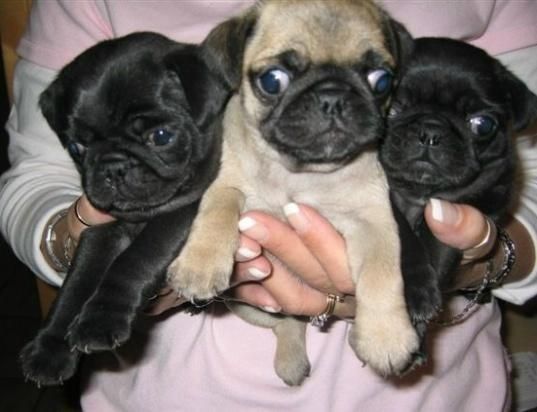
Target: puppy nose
[
  {"x": 332, "y": 103},
  {"x": 429, "y": 138},
  {"x": 431, "y": 130},
  {"x": 331, "y": 98}
]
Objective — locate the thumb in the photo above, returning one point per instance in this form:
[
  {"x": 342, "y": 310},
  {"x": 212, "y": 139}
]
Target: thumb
[{"x": 459, "y": 226}]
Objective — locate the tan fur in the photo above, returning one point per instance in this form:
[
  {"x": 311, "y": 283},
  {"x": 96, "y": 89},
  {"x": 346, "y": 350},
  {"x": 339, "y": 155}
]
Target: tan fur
[{"x": 354, "y": 197}]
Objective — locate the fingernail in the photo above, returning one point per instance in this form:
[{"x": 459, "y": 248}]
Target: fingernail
[
  {"x": 253, "y": 229},
  {"x": 296, "y": 218},
  {"x": 444, "y": 212},
  {"x": 257, "y": 274},
  {"x": 245, "y": 254},
  {"x": 271, "y": 309}
]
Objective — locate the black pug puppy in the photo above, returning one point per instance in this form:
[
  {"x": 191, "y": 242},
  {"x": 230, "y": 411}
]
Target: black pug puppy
[
  {"x": 449, "y": 136},
  {"x": 140, "y": 116}
]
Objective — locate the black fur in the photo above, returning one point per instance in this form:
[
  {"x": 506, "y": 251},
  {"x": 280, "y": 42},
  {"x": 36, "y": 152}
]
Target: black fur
[
  {"x": 430, "y": 151},
  {"x": 114, "y": 108}
]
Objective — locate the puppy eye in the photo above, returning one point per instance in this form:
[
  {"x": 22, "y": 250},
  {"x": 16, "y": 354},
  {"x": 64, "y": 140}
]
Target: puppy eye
[
  {"x": 160, "y": 137},
  {"x": 76, "y": 150},
  {"x": 380, "y": 81},
  {"x": 482, "y": 126},
  {"x": 273, "y": 81}
]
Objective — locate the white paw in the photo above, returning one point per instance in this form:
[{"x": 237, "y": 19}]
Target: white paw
[
  {"x": 200, "y": 273},
  {"x": 386, "y": 342}
]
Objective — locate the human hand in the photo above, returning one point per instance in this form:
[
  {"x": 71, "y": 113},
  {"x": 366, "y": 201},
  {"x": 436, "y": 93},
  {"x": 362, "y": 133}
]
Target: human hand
[
  {"x": 466, "y": 228},
  {"x": 309, "y": 263},
  {"x": 311, "y": 258},
  {"x": 62, "y": 232},
  {"x": 82, "y": 214}
]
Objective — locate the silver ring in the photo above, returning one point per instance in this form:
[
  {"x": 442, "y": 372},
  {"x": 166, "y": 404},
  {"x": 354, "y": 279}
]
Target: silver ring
[
  {"x": 484, "y": 247},
  {"x": 331, "y": 301}
]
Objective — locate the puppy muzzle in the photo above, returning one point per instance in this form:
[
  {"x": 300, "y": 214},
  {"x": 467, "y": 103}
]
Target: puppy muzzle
[{"x": 330, "y": 122}]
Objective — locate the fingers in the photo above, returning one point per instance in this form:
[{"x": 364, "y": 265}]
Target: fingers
[
  {"x": 82, "y": 214},
  {"x": 292, "y": 293},
  {"x": 284, "y": 292},
  {"x": 309, "y": 261},
  {"x": 465, "y": 228},
  {"x": 248, "y": 249},
  {"x": 324, "y": 242},
  {"x": 460, "y": 226},
  {"x": 281, "y": 241}
]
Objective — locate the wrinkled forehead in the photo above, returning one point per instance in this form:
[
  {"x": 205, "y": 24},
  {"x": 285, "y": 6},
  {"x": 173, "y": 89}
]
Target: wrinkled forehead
[{"x": 334, "y": 31}]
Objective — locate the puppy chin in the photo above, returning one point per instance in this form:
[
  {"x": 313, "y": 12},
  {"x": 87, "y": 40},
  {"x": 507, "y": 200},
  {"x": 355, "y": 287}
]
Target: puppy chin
[{"x": 296, "y": 166}]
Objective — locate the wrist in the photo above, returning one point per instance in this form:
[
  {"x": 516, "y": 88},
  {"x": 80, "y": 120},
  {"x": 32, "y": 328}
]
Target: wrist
[{"x": 57, "y": 246}]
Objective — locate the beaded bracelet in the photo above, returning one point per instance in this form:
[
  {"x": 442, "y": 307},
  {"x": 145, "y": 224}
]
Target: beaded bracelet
[{"x": 481, "y": 294}]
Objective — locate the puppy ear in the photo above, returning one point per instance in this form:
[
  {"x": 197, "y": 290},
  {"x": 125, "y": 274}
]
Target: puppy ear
[
  {"x": 224, "y": 46},
  {"x": 399, "y": 40},
  {"x": 51, "y": 103},
  {"x": 523, "y": 102},
  {"x": 205, "y": 92}
]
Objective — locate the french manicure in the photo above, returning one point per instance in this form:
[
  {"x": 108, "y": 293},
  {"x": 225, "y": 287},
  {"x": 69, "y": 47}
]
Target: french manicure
[
  {"x": 244, "y": 254},
  {"x": 253, "y": 229},
  {"x": 444, "y": 212},
  {"x": 257, "y": 274},
  {"x": 296, "y": 218},
  {"x": 271, "y": 309}
]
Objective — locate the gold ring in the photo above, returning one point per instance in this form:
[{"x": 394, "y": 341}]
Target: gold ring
[
  {"x": 331, "y": 301},
  {"x": 77, "y": 214}
]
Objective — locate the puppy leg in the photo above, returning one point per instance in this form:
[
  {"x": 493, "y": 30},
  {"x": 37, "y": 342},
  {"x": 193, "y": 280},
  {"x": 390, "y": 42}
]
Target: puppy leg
[
  {"x": 383, "y": 335},
  {"x": 203, "y": 268},
  {"x": 422, "y": 281},
  {"x": 48, "y": 358},
  {"x": 106, "y": 319},
  {"x": 291, "y": 359}
]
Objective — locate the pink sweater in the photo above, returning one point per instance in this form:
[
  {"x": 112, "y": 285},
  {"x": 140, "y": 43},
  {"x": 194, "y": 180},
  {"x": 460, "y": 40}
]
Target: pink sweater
[{"x": 215, "y": 361}]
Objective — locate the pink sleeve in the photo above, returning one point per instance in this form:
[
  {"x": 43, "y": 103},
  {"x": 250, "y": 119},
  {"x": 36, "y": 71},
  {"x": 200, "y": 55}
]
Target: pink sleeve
[
  {"x": 59, "y": 30},
  {"x": 498, "y": 26}
]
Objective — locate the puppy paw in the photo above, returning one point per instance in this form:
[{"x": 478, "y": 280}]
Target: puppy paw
[
  {"x": 98, "y": 330},
  {"x": 387, "y": 342},
  {"x": 201, "y": 272},
  {"x": 291, "y": 360},
  {"x": 423, "y": 303},
  {"x": 292, "y": 367},
  {"x": 48, "y": 360}
]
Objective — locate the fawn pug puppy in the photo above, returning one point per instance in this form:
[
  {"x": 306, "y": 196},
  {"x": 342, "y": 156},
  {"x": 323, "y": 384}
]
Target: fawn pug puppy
[{"x": 316, "y": 79}]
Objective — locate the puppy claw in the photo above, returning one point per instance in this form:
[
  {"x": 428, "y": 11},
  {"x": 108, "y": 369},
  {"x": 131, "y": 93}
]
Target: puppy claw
[
  {"x": 200, "y": 282},
  {"x": 47, "y": 360}
]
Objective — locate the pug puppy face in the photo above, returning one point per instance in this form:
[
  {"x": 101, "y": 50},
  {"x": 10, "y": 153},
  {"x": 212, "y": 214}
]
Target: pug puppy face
[
  {"x": 128, "y": 114},
  {"x": 451, "y": 124},
  {"x": 317, "y": 77}
]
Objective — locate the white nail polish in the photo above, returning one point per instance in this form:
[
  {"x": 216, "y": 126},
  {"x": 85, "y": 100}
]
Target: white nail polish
[
  {"x": 246, "y": 253},
  {"x": 291, "y": 209},
  {"x": 436, "y": 210},
  {"x": 270, "y": 309},
  {"x": 246, "y": 223},
  {"x": 257, "y": 273}
]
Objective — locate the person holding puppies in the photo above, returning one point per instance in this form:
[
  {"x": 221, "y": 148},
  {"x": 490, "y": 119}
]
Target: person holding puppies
[{"x": 206, "y": 362}]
